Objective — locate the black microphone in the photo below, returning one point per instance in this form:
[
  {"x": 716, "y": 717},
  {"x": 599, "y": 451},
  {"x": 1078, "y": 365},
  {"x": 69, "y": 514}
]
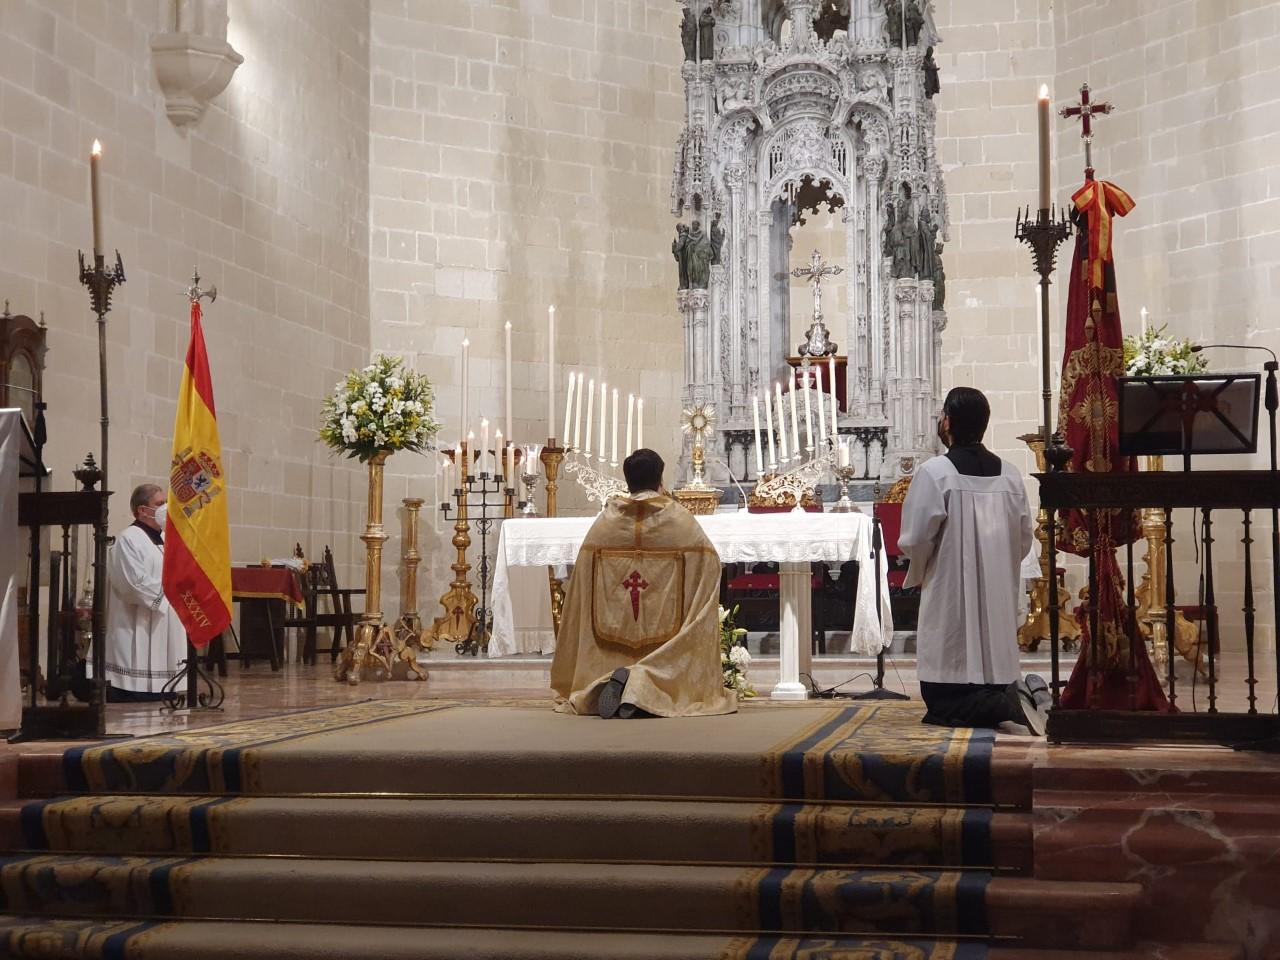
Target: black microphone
[{"x": 1237, "y": 346}]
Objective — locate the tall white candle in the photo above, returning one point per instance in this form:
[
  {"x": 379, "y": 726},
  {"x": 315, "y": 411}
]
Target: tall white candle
[
  {"x": 844, "y": 452},
  {"x": 591, "y": 405},
  {"x": 577, "y": 416},
  {"x": 755, "y": 413},
  {"x": 568, "y": 412},
  {"x": 835, "y": 402},
  {"x": 768, "y": 421},
  {"x": 468, "y": 453},
  {"x": 94, "y": 155},
  {"x": 551, "y": 375},
  {"x": 466, "y": 384},
  {"x": 808, "y": 415},
  {"x": 1042, "y": 110},
  {"x": 614, "y": 458},
  {"x": 499, "y": 453},
  {"x": 458, "y": 468},
  {"x": 1144, "y": 321},
  {"x": 631, "y": 413},
  {"x": 509, "y": 469},
  {"x": 604, "y": 419},
  {"x": 639, "y": 422},
  {"x": 484, "y": 444},
  {"x": 822, "y": 407},
  {"x": 782, "y": 421},
  {"x": 507, "y": 330},
  {"x": 795, "y": 421}
]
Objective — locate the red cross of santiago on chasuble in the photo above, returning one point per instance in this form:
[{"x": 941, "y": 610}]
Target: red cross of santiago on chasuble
[
  {"x": 635, "y": 584},
  {"x": 1088, "y": 417}
]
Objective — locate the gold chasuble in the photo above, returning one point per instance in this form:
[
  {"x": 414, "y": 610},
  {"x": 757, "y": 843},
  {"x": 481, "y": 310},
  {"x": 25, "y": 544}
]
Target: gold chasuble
[{"x": 644, "y": 595}]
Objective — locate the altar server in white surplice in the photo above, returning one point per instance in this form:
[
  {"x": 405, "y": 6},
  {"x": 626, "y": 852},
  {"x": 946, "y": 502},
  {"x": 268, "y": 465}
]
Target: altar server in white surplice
[
  {"x": 966, "y": 526},
  {"x": 145, "y": 638}
]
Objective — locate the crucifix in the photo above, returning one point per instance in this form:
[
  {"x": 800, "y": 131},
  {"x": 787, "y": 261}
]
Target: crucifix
[
  {"x": 1086, "y": 110},
  {"x": 814, "y": 274},
  {"x": 634, "y": 584}
]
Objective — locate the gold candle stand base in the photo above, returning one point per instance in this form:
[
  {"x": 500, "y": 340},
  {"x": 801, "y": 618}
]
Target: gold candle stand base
[
  {"x": 552, "y": 456},
  {"x": 1035, "y": 629},
  {"x": 459, "y": 601}
]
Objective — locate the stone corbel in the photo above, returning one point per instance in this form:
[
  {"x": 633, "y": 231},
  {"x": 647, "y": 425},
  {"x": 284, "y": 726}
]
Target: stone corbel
[{"x": 194, "y": 62}]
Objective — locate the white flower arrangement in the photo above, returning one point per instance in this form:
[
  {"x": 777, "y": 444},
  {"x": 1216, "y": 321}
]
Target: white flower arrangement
[
  {"x": 382, "y": 407},
  {"x": 734, "y": 657},
  {"x": 1154, "y": 353}
]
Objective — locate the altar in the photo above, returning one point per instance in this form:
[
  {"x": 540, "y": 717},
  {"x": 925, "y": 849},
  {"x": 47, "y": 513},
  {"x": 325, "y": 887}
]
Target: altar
[{"x": 521, "y": 601}]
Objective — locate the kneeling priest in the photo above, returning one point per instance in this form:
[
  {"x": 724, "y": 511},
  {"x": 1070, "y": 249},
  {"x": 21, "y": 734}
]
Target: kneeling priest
[{"x": 640, "y": 633}]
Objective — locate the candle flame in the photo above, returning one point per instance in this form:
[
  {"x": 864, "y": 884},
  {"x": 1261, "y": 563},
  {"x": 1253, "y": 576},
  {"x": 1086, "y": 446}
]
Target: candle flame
[
  {"x": 466, "y": 342},
  {"x": 1044, "y": 91},
  {"x": 97, "y": 149},
  {"x": 507, "y": 325}
]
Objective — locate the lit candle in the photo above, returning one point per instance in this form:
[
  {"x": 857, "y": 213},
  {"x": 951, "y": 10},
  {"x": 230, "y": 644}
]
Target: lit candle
[
  {"x": 614, "y": 459},
  {"x": 604, "y": 418},
  {"x": 808, "y": 415},
  {"x": 568, "y": 411},
  {"x": 639, "y": 423},
  {"x": 755, "y": 413},
  {"x": 510, "y": 471},
  {"x": 1043, "y": 107},
  {"x": 507, "y": 330},
  {"x": 466, "y": 375},
  {"x": 822, "y": 407},
  {"x": 1144, "y": 321},
  {"x": 94, "y": 155},
  {"x": 551, "y": 375},
  {"x": 468, "y": 451},
  {"x": 577, "y": 416},
  {"x": 782, "y": 420},
  {"x": 795, "y": 423},
  {"x": 591, "y": 403},
  {"x": 499, "y": 450},
  {"x": 768, "y": 422},
  {"x": 844, "y": 452},
  {"x": 457, "y": 467},
  {"x": 484, "y": 444},
  {"x": 631, "y": 412},
  {"x": 835, "y": 403}
]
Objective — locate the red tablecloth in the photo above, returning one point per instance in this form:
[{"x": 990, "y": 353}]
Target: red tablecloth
[{"x": 266, "y": 583}]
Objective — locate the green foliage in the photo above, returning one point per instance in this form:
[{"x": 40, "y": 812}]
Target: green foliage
[{"x": 381, "y": 407}]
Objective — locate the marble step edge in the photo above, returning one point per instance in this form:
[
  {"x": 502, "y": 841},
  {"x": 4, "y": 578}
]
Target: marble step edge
[{"x": 1044, "y": 913}]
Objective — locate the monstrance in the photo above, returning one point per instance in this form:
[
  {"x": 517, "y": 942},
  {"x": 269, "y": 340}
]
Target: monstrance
[{"x": 698, "y": 421}]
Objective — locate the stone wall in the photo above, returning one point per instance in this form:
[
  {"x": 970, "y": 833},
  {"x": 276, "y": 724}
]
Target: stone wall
[{"x": 268, "y": 197}]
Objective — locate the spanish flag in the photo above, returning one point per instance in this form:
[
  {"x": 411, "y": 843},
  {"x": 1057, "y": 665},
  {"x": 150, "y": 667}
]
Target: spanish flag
[{"x": 197, "y": 549}]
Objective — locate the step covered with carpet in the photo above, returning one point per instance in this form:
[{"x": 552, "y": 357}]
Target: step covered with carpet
[{"x": 801, "y": 830}]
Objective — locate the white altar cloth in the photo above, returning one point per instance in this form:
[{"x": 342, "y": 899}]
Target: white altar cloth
[
  {"x": 11, "y": 566},
  {"x": 787, "y": 538}
]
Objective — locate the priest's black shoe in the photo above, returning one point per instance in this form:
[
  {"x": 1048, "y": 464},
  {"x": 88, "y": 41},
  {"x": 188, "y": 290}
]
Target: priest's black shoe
[{"x": 611, "y": 694}]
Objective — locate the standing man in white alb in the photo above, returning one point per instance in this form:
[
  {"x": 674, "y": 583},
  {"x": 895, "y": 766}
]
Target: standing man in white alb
[
  {"x": 145, "y": 639},
  {"x": 966, "y": 526}
]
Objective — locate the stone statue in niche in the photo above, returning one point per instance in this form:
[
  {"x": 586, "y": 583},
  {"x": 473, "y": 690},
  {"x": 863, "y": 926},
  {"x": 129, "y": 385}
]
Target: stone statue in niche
[
  {"x": 689, "y": 35},
  {"x": 932, "y": 84},
  {"x": 680, "y": 250},
  {"x": 833, "y": 15},
  {"x": 887, "y": 243},
  {"x": 733, "y": 94},
  {"x": 904, "y": 246},
  {"x": 873, "y": 86},
  {"x": 698, "y": 253},
  {"x": 939, "y": 279},
  {"x": 903, "y": 15},
  {"x": 928, "y": 233},
  {"x": 707, "y": 34},
  {"x": 717, "y": 239}
]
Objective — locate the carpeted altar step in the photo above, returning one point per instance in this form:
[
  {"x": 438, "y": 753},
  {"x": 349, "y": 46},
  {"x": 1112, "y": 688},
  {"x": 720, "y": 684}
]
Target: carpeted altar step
[
  {"x": 889, "y": 901},
  {"x": 677, "y": 831}
]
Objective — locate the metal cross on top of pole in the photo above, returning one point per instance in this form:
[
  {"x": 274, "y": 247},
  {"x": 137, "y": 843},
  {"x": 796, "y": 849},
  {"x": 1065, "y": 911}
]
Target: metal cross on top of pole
[{"x": 1086, "y": 110}]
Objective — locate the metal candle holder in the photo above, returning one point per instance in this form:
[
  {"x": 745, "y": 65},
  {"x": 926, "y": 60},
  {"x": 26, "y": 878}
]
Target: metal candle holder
[
  {"x": 529, "y": 477},
  {"x": 468, "y": 621},
  {"x": 101, "y": 284}
]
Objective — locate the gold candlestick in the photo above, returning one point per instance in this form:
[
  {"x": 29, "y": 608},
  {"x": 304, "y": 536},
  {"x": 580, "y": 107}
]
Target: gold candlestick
[
  {"x": 459, "y": 601},
  {"x": 409, "y": 617},
  {"x": 1035, "y": 629},
  {"x": 552, "y": 456}
]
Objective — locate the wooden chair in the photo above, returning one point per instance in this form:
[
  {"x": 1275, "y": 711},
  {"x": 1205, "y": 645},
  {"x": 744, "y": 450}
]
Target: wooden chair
[{"x": 319, "y": 580}]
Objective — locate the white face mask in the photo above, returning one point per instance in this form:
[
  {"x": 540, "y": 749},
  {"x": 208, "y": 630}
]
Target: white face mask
[{"x": 161, "y": 515}]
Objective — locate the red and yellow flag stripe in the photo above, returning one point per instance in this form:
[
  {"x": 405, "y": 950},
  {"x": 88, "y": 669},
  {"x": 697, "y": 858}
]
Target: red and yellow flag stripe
[{"x": 197, "y": 549}]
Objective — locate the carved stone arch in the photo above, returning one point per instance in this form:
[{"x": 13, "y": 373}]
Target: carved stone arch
[{"x": 805, "y": 146}]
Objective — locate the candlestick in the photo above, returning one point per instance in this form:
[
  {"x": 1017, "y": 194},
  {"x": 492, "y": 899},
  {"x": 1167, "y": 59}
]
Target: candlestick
[
  {"x": 822, "y": 407},
  {"x": 631, "y": 411},
  {"x": 484, "y": 444},
  {"x": 604, "y": 418},
  {"x": 577, "y": 416},
  {"x": 782, "y": 421},
  {"x": 551, "y": 373},
  {"x": 614, "y": 459},
  {"x": 755, "y": 414},
  {"x": 591, "y": 403},
  {"x": 795, "y": 424},
  {"x": 844, "y": 452},
  {"x": 1042, "y": 107},
  {"x": 568, "y": 408},
  {"x": 466, "y": 378},
  {"x": 768, "y": 419},
  {"x": 835, "y": 401},
  {"x": 507, "y": 330},
  {"x": 639, "y": 423},
  {"x": 808, "y": 415},
  {"x": 94, "y": 155}
]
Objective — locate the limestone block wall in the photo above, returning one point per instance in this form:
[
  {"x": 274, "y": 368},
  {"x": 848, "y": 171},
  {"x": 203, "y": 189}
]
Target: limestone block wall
[
  {"x": 521, "y": 156},
  {"x": 268, "y": 196}
]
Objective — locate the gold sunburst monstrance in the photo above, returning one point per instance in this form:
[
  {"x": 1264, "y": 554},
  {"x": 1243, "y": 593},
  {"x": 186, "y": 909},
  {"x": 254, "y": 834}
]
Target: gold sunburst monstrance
[{"x": 698, "y": 420}]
